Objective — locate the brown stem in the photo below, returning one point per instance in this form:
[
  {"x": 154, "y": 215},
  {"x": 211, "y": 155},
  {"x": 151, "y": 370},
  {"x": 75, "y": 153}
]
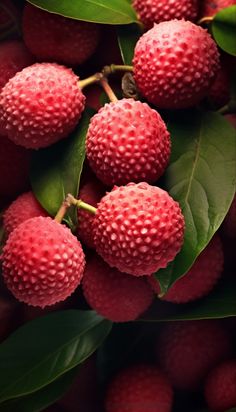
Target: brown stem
[
  {"x": 108, "y": 90},
  {"x": 205, "y": 20},
  {"x": 95, "y": 78}
]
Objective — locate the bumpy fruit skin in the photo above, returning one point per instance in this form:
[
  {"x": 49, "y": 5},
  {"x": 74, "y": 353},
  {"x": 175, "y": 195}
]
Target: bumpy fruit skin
[
  {"x": 138, "y": 228},
  {"x": 14, "y": 56},
  {"x": 220, "y": 387},
  {"x": 115, "y": 295},
  {"x": 14, "y": 168},
  {"x": 41, "y": 105},
  {"x": 156, "y": 11},
  {"x": 42, "y": 261},
  {"x": 175, "y": 64},
  {"x": 229, "y": 224},
  {"x": 188, "y": 350},
  {"x": 200, "y": 279},
  {"x": 23, "y": 208},
  {"x": 51, "y": 37},
  {"x": 127, "y": 141},
  {"x": 139, "y": 388},
  {"x": 211, "y": 7}
]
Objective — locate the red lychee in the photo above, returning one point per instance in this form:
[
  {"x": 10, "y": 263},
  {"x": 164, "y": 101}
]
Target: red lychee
[
  {"x": 41, "y": 105},
  {"x": 23, "y": 208},
  {"x": 220, "y": 387},
  {"x": 211, "y": 7},
  {"x": 139, "y": 388},
  {"x": 127, "y": 141},
  {"x": 42, "y": 262},
  {"x": 188, "y": 350},
  {"x": 91, "y": 192},
  {"x": 219, "y": 93},
  {"x": 51, "y": 37},
  {"x": 200, "y": 279},
  {"x": 229, "y": 224},
  {"x": 14, "y": 168},
  {"x": 13, "y": 58},
  {"x": 157, "y": 11},
  {"x": 175, "y": 64},
  {"x": 138, "y": 228},
  {"x": 115, "y": 295}
]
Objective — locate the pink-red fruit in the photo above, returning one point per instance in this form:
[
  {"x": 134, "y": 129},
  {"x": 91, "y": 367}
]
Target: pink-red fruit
[
  {"x": 175, "y": 64},
  {"x": 219, "y": 93},
  {"x": 157, "y": 11},
  {"x": 220, "y": 387},
  {"x": 41, "y": 105},
  {"x": 51, "y": 37},
  {"x": 23, "y": 208},
  {"x": 139, "y": 388},
  {"x": 42, "y": 262},
  {"x": 138, "y": 228},
  {"x": 127, "y": 141},
  {"x": 115, "y": 295},
  {"x": 188, "y": 350},
  {"x": 200, "y": 279},
  {"x": 211, "y": 7}
]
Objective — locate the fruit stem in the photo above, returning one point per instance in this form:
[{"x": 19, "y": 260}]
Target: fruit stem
[
  {"x": 80, "y": 204},
  {"x": 205, "y": 20},
  {"x": 63, "y": 209},
  {"x": 95, "y": 78},
  {"x": 108, "y": 90},
  {"x": 113, "y": 68}
]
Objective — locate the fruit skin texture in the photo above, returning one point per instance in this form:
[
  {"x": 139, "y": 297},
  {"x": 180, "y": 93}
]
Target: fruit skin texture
[
  {"x": 211, "y": 7},
  {"x": 229, "y": 224},
  {"x": 220, "y": 387},
  {"x": 188, "y": 350},
  {"x": 139, "y": 388},
  {"x": 14, "y": 168},
  {"x": 42, "y": 261},
  {"x": 23, "y": 208},
  {"x": 138, "y": 228},
  {"x": 115, "y": 295},
  {"x": 156, "y": 11},
  {"x": 41, "y": 105},
  {"x": 14, "y": 56},
  {"x": 200, "y": 279},
  {"x": 51, "y": 37},
  {"x": 175, "y": 64},
  {"x": 127, "y": 141},
  {"x": 91, "y": 193}
]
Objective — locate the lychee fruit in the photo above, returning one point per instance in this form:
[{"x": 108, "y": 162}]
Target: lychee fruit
[
  {"x": 127, "y": 141},
  {"x": 188, "y": 350},
  {"x": 115, "y": 295},
  {"x": 14, "y": 56},
  {"x": 14, "y": 168},
  {"x": 139, "y": 388},
  {"x": 138, "y": 228},
  {"x": 156, "y": 11},
  {"x": 42, "y": 262},
  {"x": 91, "y": 192},
  {"x": 211, "y": 7},
  {"x": 23, "y": 208},
  {"x": 220, "y": 387},
  {"x": 51, "y": 37},
  {"x": 41, "y": 105},
  {"x": 229, "y": 224},
  {"x": 175, "y": 64},
  {"x": 200, "y": 279},
  {"x": 219, "y": 93}
]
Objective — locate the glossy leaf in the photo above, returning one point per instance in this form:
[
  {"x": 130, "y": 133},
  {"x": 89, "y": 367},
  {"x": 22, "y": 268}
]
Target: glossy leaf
[
  {"x": 42, "y": 350},
  {"x": 97, "y": 11},
  {"x": 201, "y": 177},
  {"x": 224, "y": 29},
  {"x": 127, "y": 39}
]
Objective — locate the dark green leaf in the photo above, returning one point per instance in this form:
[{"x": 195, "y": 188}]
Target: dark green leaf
[
  {"x": 201, "y": 177},
  {"x": 44, "y": 349},
  {"x": 224, "y": 29},
  {"x": 127, "y": 39},
  {"x": 97, "y": 11},
  {"x": 56, "y": 170}
]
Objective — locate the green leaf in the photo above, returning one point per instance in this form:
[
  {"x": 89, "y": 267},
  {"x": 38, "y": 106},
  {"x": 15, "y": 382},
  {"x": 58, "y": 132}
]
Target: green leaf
[
  {"x": 201, "y": 177},
  {"x": 56, "y": 170},
  {"x": 127, "y": 39},
  {"x": 97, "y": 11},
  {"x": 42, "y": 350},
  {"x": 43, "y": 398},
  {"x": 224, "y": 29}
]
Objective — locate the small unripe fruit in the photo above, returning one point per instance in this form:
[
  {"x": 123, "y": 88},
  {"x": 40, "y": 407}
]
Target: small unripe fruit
[
  {"x": 42, "y": 262},
  {"x": 127, "y": 141},
  {"x": 115, "y": 295},
  {"x": 51, "y": 37},
  {"x": 138, "y": 228},
  {"x": 41, "y": 105},
  {"x": 175, "y": 64},
  {"x": 211, "y": 7}
]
